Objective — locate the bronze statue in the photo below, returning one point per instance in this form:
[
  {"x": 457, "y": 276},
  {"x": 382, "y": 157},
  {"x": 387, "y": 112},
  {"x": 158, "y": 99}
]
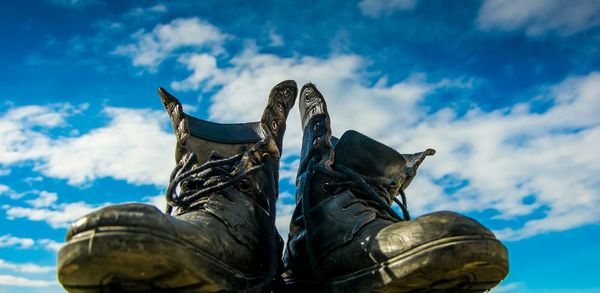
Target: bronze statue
[{"x": 218, "y": 233}]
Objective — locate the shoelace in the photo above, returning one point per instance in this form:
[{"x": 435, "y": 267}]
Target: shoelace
[
  {"x": 346, "y": 177},
  {"x": 368, "y": 185},
  {"x": 211, "y": 177},
  {"x": 207, "y": 178}
]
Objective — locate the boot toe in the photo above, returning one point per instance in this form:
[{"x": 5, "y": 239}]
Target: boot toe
[
  {"x": 121, "y": 215},
  {"x": 432, "y": 227}
]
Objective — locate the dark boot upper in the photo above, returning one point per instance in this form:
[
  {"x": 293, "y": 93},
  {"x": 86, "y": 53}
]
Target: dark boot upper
[
  {"x": 222, "y": 194},
  {"x": 343, "y": 221}
]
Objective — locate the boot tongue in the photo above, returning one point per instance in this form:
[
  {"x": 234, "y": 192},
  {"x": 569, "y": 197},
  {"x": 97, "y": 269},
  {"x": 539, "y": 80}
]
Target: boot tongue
[{"x": 371, "y": 158}]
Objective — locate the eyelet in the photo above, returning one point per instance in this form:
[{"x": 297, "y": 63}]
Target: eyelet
[
  {"x": 274, "y": 125},
  {"x": 244, "y": 186},
  {"x": 286, "y": 92},
  {"x": 307, "y": 96},
  {"x": 316, "y": 141},
  {"x": 325, "y": 187}
]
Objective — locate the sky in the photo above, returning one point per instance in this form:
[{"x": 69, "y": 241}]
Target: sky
[{"x": 507, "y": 92}]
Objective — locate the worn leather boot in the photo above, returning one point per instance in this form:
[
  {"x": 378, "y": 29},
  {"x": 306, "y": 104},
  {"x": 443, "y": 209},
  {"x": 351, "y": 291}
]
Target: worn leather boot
[
  {"x": 345, "y": 237},
  {"x": 219, "y": 230}
]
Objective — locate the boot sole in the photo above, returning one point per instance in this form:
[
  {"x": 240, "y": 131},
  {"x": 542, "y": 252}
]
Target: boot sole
[
  {"x": 453, "y": 264},
  {"x": 117, "y": 259}
]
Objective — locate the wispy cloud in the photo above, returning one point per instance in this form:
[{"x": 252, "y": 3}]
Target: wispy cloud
[
  {"x": 21, "y": 243},
  {"x": 59, "y": 216},
  {"x": 469, "y": 146},
  {"x": 539, "y": 17},
  {"x": 9, "y": 240},
  {"x": 510, "y": 287},
  {"x": 25, "y": 267},
  {"x": 151, "y": 48},
  {"x": 284, "y": 213},
  {"x": 508, "y": 155},
  {"x": 131, "y": 147},
  {"x": 24, "y": 282},
  {"x": 74, "y": 3},
  {"x": 376, "y": 8}
]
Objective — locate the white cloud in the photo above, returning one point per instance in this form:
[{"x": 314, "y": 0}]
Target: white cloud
[
  {"x": 27, "y": 243},
  {"x": 44, "y": 199},
  {"x": 244, "y": 87},
  {"x": 539, "y": 17},
  {"x": 57, "y": 216},
  {"x": 74, "y": 3},
  {"x": 284, "y": 213},
  {"x": 21, "y": 243},
  {"x": 151, "y": 48},
  {"x": 24, "y": 282},
  {"x": 510, "y": 287},
  {"x": 510, "y": 154},
  {"x": 25, "y": 267},
  {"x": 503, "y": 156},
  {"x": 159, "y": 201},
  {"x": 276, "y": 40},
  {"x": 50, "y": 244},
  {"x": 516, "y": 161},
  {"x": 23, "y": 130},
  {"x": 4, "y": 189},
  {"x": 132, "y": 147},
  {"x": 146, "y": 12},
  {"x": 375, "y": 8}
]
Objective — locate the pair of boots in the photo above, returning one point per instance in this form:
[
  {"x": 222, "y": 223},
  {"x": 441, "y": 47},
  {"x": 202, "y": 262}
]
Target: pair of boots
[{"x": 219, "y": 230}]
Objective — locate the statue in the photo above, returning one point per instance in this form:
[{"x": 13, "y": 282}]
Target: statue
[{"x": 218, "y": 232}]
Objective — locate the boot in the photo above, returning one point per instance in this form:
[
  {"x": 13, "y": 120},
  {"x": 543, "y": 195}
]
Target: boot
[
  {"x": 219, "y": 230},
  {"x": 345, "y": 237}
]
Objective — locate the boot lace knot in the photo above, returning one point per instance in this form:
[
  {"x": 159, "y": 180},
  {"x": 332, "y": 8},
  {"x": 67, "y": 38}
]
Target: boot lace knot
[{"x": 190, "y": 184}]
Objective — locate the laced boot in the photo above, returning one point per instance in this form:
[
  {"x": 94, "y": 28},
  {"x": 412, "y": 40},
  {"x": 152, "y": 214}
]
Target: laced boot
[
  {"x": 219, "y": 230},
  {"x": 345, "y": 237}
]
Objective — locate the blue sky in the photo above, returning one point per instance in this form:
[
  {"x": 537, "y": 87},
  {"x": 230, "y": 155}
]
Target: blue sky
[{"x": 507, "y": 92}]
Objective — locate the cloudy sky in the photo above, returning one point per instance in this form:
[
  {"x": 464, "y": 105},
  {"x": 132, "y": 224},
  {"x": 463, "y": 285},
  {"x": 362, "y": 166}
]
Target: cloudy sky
[{"x": 507, "y": 92}]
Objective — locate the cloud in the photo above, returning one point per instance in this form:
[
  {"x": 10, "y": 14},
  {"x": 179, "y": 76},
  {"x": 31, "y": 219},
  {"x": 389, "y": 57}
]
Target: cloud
[
  {"x": 516, "y": 161},
  {"x": 284, "y": 213},
  {"x": 510, "y": 287},
  {"x": 50, "y": 244},
  {"x": 21, "y": 243},
  {"x": 244, "y": 85},
  {"x": 146, "y": 12},
  {"x": 57, "y": 216},
  {"x": 539, "y": 17},
  {"x": 133, "y": 146},
  {"x": 24, "y": 282},
  {"x": 44, "y": 199},
  {"x": 159, "y": 201},
  {"x": 151, "y": 48},
  {"x": 275, "y": 39},
  {"x": 23, "y": 130},
  {"x": 4, "y": 189},
  {"x": 505, "y": 156},
  {"x": 25, "y": 267},
  {"x": 74, "y": 3},
  {"x": 375, "y": 8},
  {"x": 27, "y": 243}
]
